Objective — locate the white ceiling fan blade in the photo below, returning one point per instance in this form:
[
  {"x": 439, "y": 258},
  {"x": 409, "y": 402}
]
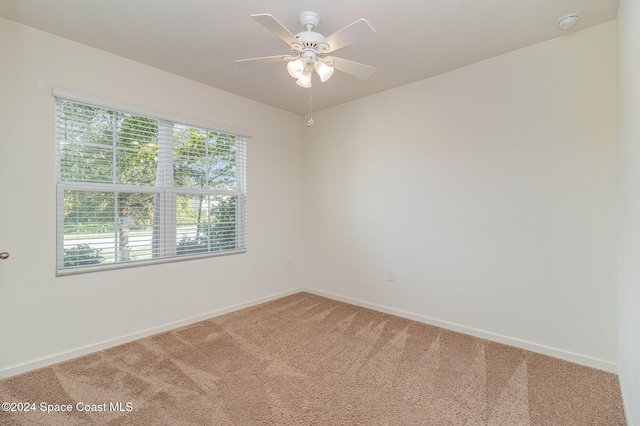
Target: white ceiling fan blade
[
  {"x": 273, "y": 25},
  {"x": 354, "y": 68},
  {"x": 359, "y": 30},
  {"x": 263, "y": 60}
]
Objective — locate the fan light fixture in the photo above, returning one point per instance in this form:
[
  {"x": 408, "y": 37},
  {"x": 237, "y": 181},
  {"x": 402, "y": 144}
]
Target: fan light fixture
[
  {"x": 305, "y": 78},
  {"x": 296, "y": 67},
  {"x": 310, "y": 50},
  {"x": 324, "y": 71},
  {"x": 301, "y": 68}
]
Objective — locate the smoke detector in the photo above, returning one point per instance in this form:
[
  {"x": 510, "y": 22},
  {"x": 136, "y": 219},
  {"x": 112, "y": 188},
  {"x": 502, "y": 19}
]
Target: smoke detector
[{"x": 568, "y": 21}]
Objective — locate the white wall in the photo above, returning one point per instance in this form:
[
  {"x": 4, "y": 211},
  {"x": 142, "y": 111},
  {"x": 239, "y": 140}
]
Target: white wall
[
  {"x": 42, "y": 316},
  {"x": 629, "y": 203},
  {"x": 491, "y": 190}
]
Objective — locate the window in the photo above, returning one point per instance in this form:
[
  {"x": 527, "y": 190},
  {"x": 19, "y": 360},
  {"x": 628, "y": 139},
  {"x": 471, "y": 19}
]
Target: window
[{"x": 135, "y": 189}]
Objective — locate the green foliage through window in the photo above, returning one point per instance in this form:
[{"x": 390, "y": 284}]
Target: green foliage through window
[
  {"x": 125, "y": 189},
  {"x": 81, "y": 255}
]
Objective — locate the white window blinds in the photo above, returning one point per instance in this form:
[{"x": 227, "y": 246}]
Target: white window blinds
[{"x": 135, "y": 189}]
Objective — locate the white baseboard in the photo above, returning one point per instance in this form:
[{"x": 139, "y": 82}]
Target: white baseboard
[
  {"x": 510, "y": 341},
  {"x": 106, "y": 344},
  {"x": 85, "y": 350}
]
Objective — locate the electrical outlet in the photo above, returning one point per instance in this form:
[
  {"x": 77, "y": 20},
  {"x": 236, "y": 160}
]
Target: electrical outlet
[{"x": 391, "y": 274}]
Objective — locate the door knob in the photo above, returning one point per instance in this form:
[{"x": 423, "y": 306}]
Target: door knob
[{"x": 4, "y": 255}]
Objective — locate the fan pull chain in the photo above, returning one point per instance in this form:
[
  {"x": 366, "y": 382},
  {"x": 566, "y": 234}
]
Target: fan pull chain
[{"x": 310, "y": 108}]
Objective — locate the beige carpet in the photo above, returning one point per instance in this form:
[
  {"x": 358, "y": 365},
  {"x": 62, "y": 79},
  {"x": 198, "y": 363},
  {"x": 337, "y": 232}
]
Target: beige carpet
[{"x": 308, "y": 360}]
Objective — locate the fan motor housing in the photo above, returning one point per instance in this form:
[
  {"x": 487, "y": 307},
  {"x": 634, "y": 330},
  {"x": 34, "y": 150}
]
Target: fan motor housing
[{"x": 309, "y": 40}]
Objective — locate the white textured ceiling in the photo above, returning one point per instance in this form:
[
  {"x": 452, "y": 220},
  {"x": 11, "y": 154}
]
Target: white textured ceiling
[{"x": 201, "y": 39}]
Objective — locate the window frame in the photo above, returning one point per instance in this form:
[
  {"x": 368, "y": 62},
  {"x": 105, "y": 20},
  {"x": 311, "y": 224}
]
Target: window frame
[{"x": 167, "y": 192}]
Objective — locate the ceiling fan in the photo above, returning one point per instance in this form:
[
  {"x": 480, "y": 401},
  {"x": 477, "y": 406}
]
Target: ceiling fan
[{"x": 310, "y": 50}]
